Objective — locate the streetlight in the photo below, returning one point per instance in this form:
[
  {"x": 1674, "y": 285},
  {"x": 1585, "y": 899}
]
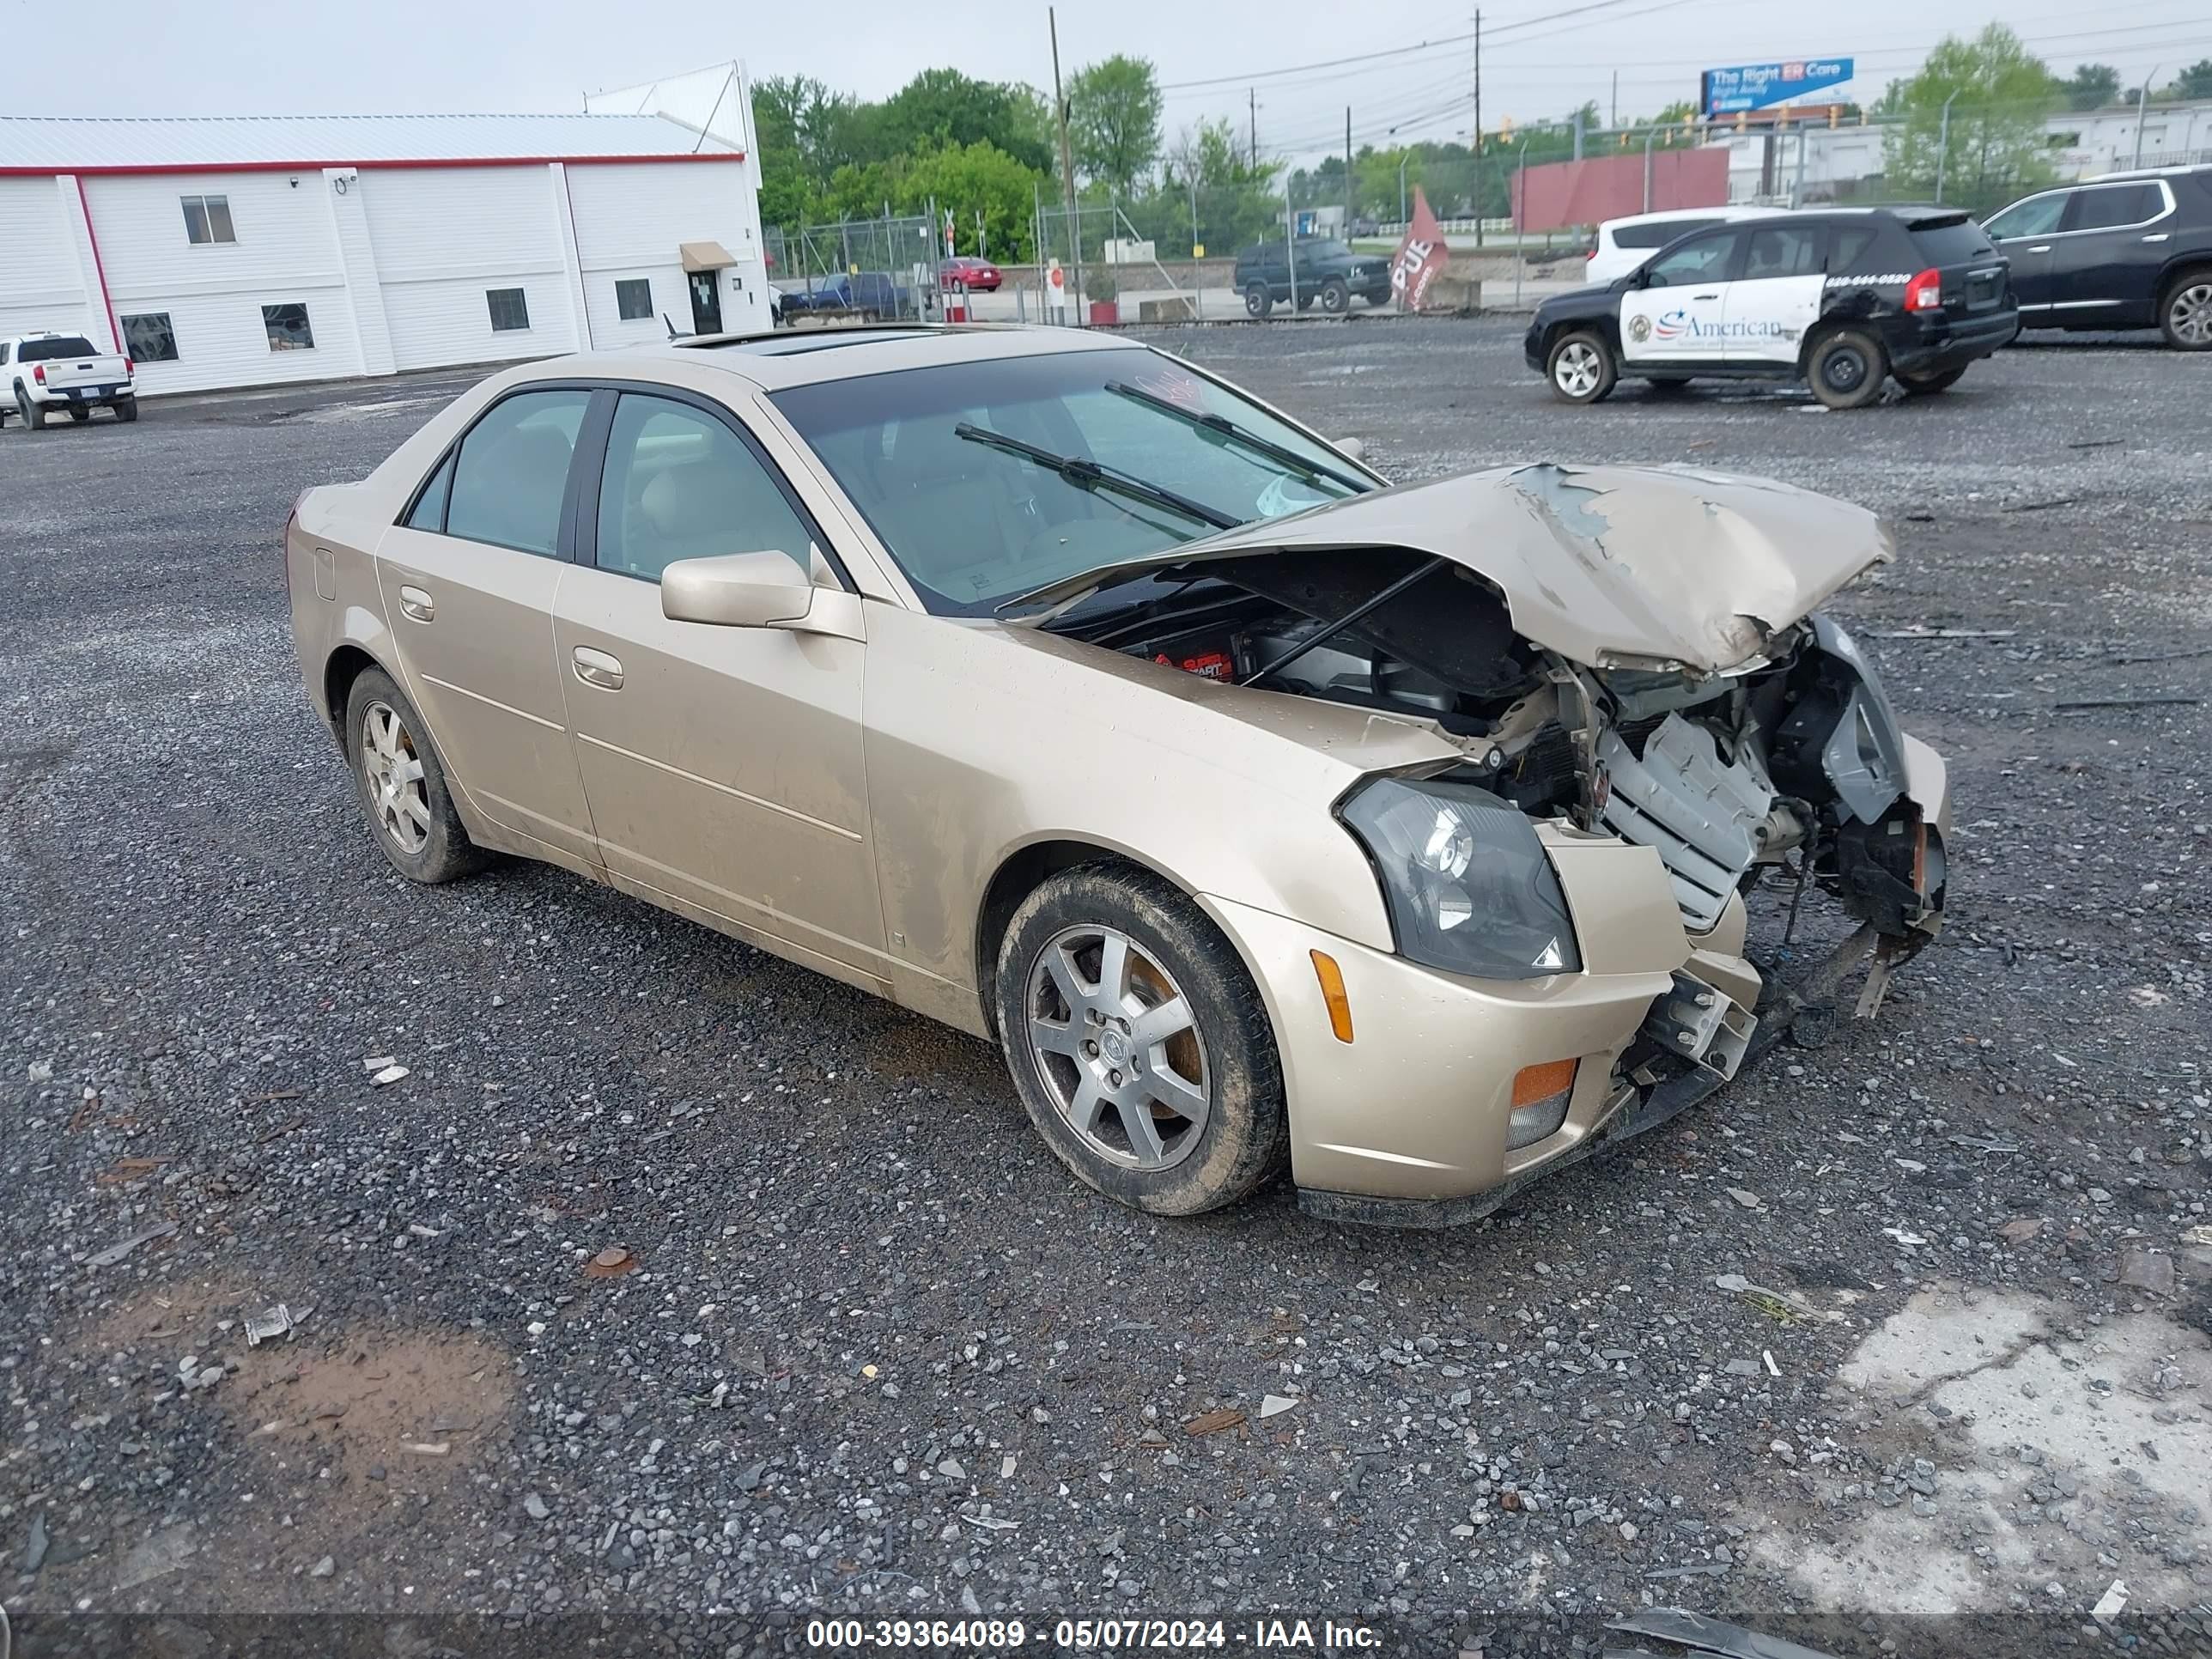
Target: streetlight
[{"x": 1943, "y": 146}]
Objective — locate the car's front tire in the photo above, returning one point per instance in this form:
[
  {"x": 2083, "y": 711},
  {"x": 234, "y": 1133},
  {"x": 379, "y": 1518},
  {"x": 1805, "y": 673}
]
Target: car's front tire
[
  {"x": 1580, "y": 367},
  {"x": 401, "y": 783},
  {"x": 1336, "y": 296},
  {"x": 1257, "y": 301},
  {"x": 2185, "y": 313},
  {"x": 1138, "y": 1043},
  {"x": 1847, "y": 368}
]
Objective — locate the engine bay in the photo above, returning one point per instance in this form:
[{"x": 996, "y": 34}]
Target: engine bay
[{"x": 1795, "y": 752}]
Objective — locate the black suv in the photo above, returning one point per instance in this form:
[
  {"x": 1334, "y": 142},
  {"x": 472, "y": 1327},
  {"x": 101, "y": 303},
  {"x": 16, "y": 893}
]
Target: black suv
[
  {"x": 2133, "y": 249},
  {"x": 1842, "y": 298},
  {"x": 1325, "y": 270}
]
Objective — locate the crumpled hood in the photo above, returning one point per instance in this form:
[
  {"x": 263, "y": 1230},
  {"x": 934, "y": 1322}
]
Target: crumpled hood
[{"x": 1641, "y": 566}]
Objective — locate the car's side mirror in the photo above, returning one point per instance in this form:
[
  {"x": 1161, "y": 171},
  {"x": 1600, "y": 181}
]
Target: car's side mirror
[
  {"x": 1352, "y": 446},
  {"x": 756, "y": 590}
]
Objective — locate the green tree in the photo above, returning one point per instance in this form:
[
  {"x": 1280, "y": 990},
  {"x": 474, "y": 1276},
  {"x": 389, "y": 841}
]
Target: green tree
[
  {"x": 968, "y": 179},
  {"x": 1113, "y": 120},
  {"x": 1999, "y": 93},
  {"x": 2091, "y": 86},
  {"x": 942, "y": 106},
  {"x": 2195, "y": 82}
]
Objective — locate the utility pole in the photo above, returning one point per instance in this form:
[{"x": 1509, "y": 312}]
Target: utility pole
[
  {"x": 1943, "y": 145},
  {"x": 1066, "y": 162},
  {"x": 1613, "y": 113},
  {"x": 1478, "y": 126},
  {"x": 1252, "y": 99},
  {"x": 2142, "y": 98},
  {"x": 1348, "y": 171}
]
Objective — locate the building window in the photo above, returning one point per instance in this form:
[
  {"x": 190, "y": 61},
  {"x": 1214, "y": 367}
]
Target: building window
[
  {"x": 149, "y": 339},
  {"x": 288, "y": 328},
  {"x": 510, "y": 310},
  {"x": 207, "y": 219},
  {"x": 634, "y": 299}
]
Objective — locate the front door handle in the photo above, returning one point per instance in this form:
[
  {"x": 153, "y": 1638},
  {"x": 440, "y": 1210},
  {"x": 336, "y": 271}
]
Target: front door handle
[
  {"x": 597, "y": 668},
  {"x": 1704, "y": 297},
  {"x": 2040, "y": 247},
  {"x": 2157, "y": 236},
  {"x": 417, "y": 605}
]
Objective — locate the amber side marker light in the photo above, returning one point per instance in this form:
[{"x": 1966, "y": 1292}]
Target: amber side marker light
[
  {"x": 1541, "y": 1095},
  {"x": 1331, "y": 992},
  {"x": 1533, "y": 1082}
]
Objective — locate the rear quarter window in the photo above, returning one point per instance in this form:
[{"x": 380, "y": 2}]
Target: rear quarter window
[{"x": 1953, "y": 245}]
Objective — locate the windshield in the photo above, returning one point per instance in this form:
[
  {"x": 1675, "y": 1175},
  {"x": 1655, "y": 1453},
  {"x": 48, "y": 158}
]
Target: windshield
[
  {"x": 1323, "y": 251},
  {"x": 65, "y": 345},
  {"x": 974, "y": 523}
]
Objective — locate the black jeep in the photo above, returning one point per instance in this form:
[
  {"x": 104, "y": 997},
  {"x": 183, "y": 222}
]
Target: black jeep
[{"x": 1314, "y": 268}]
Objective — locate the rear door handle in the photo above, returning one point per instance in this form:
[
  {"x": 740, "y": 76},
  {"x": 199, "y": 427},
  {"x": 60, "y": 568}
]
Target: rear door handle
[
  {"x": 597, "y": 668},
  {"x": 417, "y": 605}
]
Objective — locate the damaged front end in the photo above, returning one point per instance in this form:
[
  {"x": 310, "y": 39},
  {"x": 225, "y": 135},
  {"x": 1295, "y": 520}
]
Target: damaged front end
[{"x": 1737, "y": 747}]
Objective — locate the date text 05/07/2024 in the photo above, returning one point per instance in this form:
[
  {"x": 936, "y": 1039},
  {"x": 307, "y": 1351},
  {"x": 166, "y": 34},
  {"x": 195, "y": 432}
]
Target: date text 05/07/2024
[{"x": 1092, "y": 1635}]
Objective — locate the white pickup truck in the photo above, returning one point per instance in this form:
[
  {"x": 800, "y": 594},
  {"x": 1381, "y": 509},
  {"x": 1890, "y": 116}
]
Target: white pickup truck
[{"x": 42, "y": 375}]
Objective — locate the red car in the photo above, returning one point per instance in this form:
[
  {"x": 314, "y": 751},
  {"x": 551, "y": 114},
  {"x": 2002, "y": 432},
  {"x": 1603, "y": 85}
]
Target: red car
[{"x": 978, "y": 275}]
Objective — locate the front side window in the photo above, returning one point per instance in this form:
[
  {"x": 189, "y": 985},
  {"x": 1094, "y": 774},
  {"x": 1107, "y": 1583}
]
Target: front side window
[
  {"x": 634, "y": 299},
  {"x": 1660, "y": 233},
  {"x": 2038, "y": 215},
  {"x": 510, "y": 309},
  {"x": 680, "y": 485},
  {"x": 513, "y": 469},
  {"x": 1705, "y": 260},
  {"x": 974, "y": 524},
  {"x": 2113, "y": 206},
  {"x": 288, "y": 328},
  {"x": 207, "y": 219},
  {"x": 1784, "y": 250},
  {"x": 149, "y": 339}
]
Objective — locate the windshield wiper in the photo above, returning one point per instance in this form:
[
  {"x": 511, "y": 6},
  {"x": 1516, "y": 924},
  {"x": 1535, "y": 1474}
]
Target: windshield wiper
[
  {"x": 1225, "y": 427},
  {"x": 1096, "y": 475}
]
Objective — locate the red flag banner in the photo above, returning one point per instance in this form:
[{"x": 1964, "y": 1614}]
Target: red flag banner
[{"x": 1421, "y": 256}]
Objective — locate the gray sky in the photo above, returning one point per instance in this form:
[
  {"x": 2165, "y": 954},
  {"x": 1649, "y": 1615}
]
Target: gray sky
[{"x": 292, "y": 56}]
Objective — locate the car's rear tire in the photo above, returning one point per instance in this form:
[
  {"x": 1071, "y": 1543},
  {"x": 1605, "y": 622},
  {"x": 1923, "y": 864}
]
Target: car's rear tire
[
  {"x": 1926, "y": 385},
  {"x": 1581, "y": 368},
  {"x": 35, "y": 415},
  {"x": 1847, "y": 368},
  {"x": 1336, "y": 296},
  {"x": 1257, "y": 301},
  {"x": 1138, "y": 1043},
  {"x": 127, "y": 410},
  {"x": 401, "y": 783},
  {"x": 2184, "y": 311}
]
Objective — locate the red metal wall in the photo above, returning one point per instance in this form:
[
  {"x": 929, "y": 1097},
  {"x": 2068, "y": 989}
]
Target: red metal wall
[{"x": 1558, "y": 194}]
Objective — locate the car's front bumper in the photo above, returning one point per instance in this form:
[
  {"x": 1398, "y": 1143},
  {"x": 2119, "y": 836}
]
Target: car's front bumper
[{"x": 1409, "y": 1123}]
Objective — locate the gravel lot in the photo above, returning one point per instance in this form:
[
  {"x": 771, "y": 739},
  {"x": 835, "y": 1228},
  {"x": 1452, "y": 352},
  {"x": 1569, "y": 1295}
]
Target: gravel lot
[{"x": 878, "y": 1356}]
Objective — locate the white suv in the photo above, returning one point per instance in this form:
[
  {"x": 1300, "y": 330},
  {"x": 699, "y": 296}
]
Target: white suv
[{"x": 1624, "y": 244}]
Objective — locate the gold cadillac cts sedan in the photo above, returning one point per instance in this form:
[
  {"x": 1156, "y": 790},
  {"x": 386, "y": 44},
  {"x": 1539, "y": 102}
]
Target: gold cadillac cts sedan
[{"x": 1267, "y": 815}]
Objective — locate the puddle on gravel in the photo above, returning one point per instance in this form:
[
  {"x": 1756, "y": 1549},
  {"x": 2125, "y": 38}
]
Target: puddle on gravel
[{"x": 2063, "y": 1454}]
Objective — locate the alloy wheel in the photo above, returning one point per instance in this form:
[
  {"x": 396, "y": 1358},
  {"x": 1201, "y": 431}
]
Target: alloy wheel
[
  {"x": 2190, "y": 314},
  {"x": 1118, "y": 1048},
  {"x": 1576, "y": 370},
  {"x": 392, "y": 769}
]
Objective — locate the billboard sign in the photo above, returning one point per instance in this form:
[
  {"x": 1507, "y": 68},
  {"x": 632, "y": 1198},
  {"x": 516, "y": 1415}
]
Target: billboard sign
[{"x": 1756, "y": 85}]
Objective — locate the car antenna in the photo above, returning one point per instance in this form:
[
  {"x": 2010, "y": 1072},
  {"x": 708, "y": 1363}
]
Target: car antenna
[{"x": 670, "y": 326}]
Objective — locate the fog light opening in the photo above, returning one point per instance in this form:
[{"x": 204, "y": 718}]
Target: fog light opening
[
  {"x": 1331, "y": 993},
  {"x": 1541, "y": 1095}
]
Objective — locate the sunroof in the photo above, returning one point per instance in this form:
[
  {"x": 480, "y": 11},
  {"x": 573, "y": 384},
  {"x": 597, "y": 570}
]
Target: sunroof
[{"x": 787, "y": 345}]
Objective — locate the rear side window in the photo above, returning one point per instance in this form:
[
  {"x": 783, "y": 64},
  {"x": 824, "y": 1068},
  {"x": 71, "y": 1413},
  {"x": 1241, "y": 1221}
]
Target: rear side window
[
  {"x": 62, "y": 345},
  {"x": 1953, "y": 245},
  {"x": 1792, "y": 250},
  {"x": 2108, "y": 207},
  {"x": 513, "y": 469},
  {"x": 1658, "y": 233}
]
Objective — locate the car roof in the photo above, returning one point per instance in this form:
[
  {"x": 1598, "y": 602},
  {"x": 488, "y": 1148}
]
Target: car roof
[
  {"x": 1663, "y": 215},
  {"x": 789, "y": 357}
]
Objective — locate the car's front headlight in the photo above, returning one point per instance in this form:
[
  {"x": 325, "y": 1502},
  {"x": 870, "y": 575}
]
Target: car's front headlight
[{"x": 1466, "y": 883}]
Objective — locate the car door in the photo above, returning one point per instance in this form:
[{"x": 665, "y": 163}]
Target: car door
[
  {"x": 1673, "y": 311},
  {"x": 1778, "y": 292},
  {"x": 468, "y": 579},
  {"x": 2111, "y": 245},
  {"x": 2026, "y": 234},
  {"x": 723, "y": 764}
]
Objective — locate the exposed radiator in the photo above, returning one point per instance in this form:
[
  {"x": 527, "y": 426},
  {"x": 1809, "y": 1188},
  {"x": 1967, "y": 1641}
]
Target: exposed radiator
[{"x": 1699, "y": 813}]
